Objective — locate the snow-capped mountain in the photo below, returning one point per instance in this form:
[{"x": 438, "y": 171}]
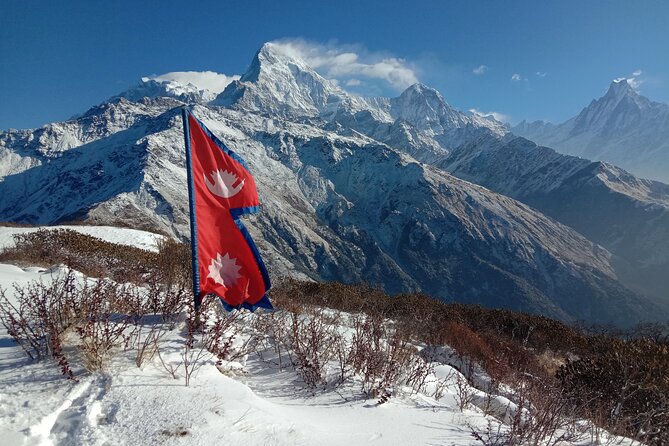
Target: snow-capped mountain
[
  {"x": 339, "y": 204},
  {"x": 187, "y": 86},
  {"x": 151, "y": 88},
  {"x": 622, "y": 127},
  {"x": 280, "y": 85},
  {"x": 627, "y": 215}
]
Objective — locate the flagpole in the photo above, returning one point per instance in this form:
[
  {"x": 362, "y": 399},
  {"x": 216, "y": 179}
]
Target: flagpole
[{"x": 191, "y": 203}]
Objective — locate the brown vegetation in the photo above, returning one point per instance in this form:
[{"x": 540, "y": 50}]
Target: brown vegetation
[
  {"x": 558, "y": 371},
  {"x": 98, "y": 258},
  {"x": 618, "y": 381}
]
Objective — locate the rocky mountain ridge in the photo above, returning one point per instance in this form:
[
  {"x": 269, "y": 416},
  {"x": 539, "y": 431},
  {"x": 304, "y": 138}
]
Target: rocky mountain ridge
[
  {"x": 622, "y": 127},
  {"x": 339, "y": 204},
  {"x": 627, "y": 215}
]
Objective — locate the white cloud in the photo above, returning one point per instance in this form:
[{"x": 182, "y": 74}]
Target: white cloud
[
  {"x": 353, "y": 82},
  {"x": 203, "y": 80},
  {"x": 634, "y": 80},
  {"x": 541, "y": 74},
  {"x": 501, "y": 117},
  {"x": 480, "y": 70},
  {"x": 347, "y": 63},
  {"x": 516, "y": 77}
]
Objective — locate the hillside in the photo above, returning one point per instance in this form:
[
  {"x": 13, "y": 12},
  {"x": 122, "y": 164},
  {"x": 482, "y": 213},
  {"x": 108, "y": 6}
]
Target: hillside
[{"x": 338, "y": 204}]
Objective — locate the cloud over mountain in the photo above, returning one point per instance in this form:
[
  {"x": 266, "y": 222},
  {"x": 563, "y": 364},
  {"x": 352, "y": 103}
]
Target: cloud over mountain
[
  {"x": 203, "y": 80},
  {"x": 346, "y": 63}
]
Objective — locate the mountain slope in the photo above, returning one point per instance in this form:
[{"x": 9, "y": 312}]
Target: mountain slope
[
  {"x": 622, "y": 127},
  {"x": 627, "y": 215},
  {"x": 337, "y": 208},
  {"x": 277, "y": 84},
  {"x": 339, "y": 204}
]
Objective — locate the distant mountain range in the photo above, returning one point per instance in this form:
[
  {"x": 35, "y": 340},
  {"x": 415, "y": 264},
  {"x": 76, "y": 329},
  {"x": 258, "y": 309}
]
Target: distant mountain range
[
  {"x": 622, "y": 128},
  {"x": 627, "y": 215},
  {"x": 364, "y": 189}
]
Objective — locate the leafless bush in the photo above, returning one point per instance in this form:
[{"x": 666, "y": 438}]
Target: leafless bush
[
  {"x": 463, "y": 392},
  {"x": 103, "y": 313},
  {"x": 101, "y": 328},
  {"x": 173, "y": 262},
  {"x": 192, "y": 354},
  {"x": 313, "y": 342},
  {"x": 146, "y": 342},
  {"x": 624, "y": 387},
  {"x": 90, "y": 255},
  {"x": 165, "y": 299},
  {"x": 540, "y": 416},
  {"x": 171, "y": 369},
  {"x": 440, "y": 387},
  {"x": 272, "y": 332},
  {"x": 383, "y": 357},
  {"x": 225, "y": 338},
  {"x": 210, "y": 334},
  {"x": 42, "y": 314},
  {"x": 98, "y": 258}
]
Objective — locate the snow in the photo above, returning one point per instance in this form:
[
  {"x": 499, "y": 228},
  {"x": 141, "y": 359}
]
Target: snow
[
  {"x": 122, "y": 236},
  {"x": 339, "y": 179},
  {"x": 129, "y": 405},
  {"x": 622, "y": 127},
  {"x": 333, "y": 196},
  {"x": 250, "y": 401}
]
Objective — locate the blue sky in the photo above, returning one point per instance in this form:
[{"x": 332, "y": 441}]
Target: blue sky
[{"x": 522, "y": 59}]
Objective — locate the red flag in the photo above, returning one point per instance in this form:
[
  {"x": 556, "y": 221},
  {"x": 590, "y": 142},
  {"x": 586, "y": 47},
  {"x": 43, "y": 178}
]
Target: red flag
[{"x": 226, "y": 262}]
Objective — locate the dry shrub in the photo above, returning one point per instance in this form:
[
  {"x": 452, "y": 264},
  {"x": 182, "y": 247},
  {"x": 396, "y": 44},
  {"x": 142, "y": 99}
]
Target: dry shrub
[
  {"x": 538, "y": 419},
  {"x": 42, "y": 314},
  {"x": 379, "y": 352},
  {"x": 172, "y": 265},
  {"x": 471, "y": 345},
  {"x": 100, "y": 326},
  {"x": 210, "y": 333},
  {"x": 272, "y": 332},
  {"x": 626, "y": 387},
  {"x": 98, "y": 258},
  {"x": 13, "y": 224},
  {"x": 104, "y": 314},
  {"x": 622, "y": 385},
  {"x": 500, "y": 340},
  {"x": 167, "y": 300},
  {"x": 384, "y": 358},
  {"x": 313, "y": 342}
]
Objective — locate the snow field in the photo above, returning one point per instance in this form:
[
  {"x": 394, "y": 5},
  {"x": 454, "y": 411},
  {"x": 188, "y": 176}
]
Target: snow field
[
  {"x": 256, "y": 396},
  {"x": 253, "y": 402},
  {"x": 122, "y": 236}
]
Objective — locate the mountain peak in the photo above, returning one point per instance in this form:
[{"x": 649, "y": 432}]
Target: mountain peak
[
  {"x": 153, "y": 88},
  {"x": 425, "y": 108},
  {"x": 620, "y": 88},
  {"x": 186, "y": 86},
  {"x": 280, "y": 83},
  {"x": 272, "y": 57},
  {"x": 425, "y": 92}
]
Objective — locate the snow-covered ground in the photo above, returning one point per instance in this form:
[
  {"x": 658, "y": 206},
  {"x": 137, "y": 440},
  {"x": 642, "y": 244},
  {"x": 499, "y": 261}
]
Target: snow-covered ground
[
  {"x": 250, "y": 402},
  {"x": 121, "y": 236},
  {"x": 259, "y": 405}
]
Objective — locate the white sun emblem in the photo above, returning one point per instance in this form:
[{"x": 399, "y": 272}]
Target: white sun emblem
[
  {"x": 224, "y": 270},
  {"x": 222, "y": 184}
]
